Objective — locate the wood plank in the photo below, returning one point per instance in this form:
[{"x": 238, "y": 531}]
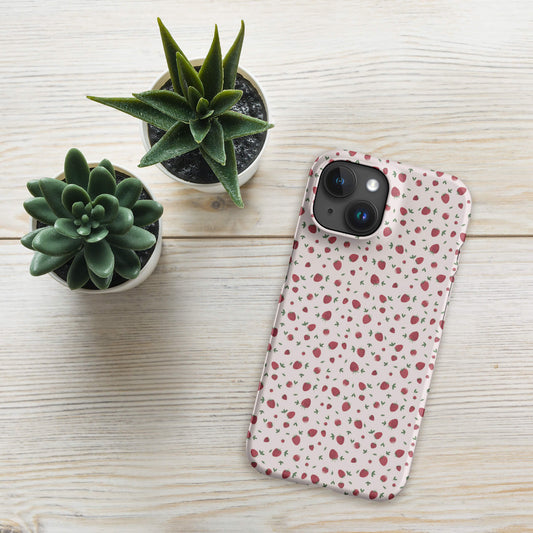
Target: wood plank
[
  {"x": 129, "y": 411},
  {"x": 443, "y": 84}
]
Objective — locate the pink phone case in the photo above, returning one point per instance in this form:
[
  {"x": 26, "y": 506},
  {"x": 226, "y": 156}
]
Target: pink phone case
[{"x": 355, "y": 337}]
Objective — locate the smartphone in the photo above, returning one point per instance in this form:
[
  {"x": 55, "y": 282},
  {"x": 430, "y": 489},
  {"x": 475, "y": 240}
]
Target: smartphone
[{"x": 358, "y": 324}]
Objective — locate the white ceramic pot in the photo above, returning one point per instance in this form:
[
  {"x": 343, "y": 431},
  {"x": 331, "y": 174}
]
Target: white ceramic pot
[
  {"x": 146, "y": 270},
  {"x": 247, "y": 173}
]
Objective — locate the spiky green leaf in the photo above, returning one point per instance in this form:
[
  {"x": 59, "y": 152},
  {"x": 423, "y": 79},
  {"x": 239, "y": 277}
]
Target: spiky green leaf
[
  {"x": 51, "y": 242},
  {"x": 110, "y": 204},
  {"x": 78, "y": 275},
  {"x": 33, "y": 187},
  {"x": 227, "y": 174},
  {"x": 74, "y": 194},
  {"x": 43, "y": 264},
  {"x": 128, "y": 192},
  {"x": 108, "y": 166},
  {"x": 28, "y": 238},
  {"x": 135, "y": 239},
  {"x": 213, "y": 144},
  {"x": 202, "y": 108},
  {"x": 238, "y": 125},
  {"x": 137, "y": 109},
  {"x": 171, "y": 48},
  {"x": 199, "y": 129},
  {"x": 52, "y": 190},
  {"x": 169, "y": 103},
  {"x": 122, "y": 222},
  {"x": 225, "y": 100},
  {"x": 146, "y": 212},
  {"x": 231, "y": 60},
  {"x": 39, "y": 209},
  {"x": 76, "y": 168},
  {"x": 66, "y": 227},
  {"x": 177, "y": 141},
  {"x": 211, "y": 73},
  {"x": 101, "y": 182},
  {"x": 193, "y": 97},
  {"x": 188, "y": 75},
  {"x": 127, "y": 263},
  {"x": 100, "y": 259}
]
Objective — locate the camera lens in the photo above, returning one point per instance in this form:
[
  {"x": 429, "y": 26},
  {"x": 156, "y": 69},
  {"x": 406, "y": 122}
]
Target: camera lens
[
  {"x": 339, "y": 181},
  {"x": 361, "y": 217}
]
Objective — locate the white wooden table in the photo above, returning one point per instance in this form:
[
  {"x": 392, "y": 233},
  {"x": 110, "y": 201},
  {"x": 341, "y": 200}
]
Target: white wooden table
[{"x": 129, "y": 412}]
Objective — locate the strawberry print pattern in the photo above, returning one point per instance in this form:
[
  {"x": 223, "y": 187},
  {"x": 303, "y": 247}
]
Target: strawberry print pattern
[{"x": 355, "y": 337}]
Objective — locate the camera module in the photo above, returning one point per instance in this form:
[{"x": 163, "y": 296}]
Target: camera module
[{"x": 351, "y": 198}]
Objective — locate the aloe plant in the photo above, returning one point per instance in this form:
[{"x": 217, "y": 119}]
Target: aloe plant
[
  {"x": 90, "y": 219},
  {"x": 197, "y": 113}
]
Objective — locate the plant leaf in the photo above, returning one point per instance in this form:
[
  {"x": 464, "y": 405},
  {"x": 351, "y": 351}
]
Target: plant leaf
[
  {"x": 101, "y": 182},
  {"x": 101, "y": 283},
  {"x": 98, "y": 234},
  {"x": 137, "y": 109},
  {"x": 33, "y": 187},
  {"x": 52, "y": 190},
  {"x": 202, "y": 108},
  {"x": 28, "y": 238},
  {"x": 108, "y": 166},
  {"x": 66, "y": 227},
  {"x": 51, "y": 242},
  {"x": 238, "y": 125},
  {"x": 171, "y": 48},
  {"x": 225, "y": 100},
  {"x": 231, "y": 60},
  {"x": 175, "y": 142},
  {"x": 39, "y": 209},
  {"x": 199, "y": 129},
  {"x": 127, "y": 263},
  {"x": 122, "y": 222},
  {"x": 213, "y": 144},
  {"x": 212, "y": 73},
  {"x": 78, "y": 275},
  {"x": 100, "y": 259},
  {"x": 128, "y": 192},
  {"x": 73, "y": 194},
  {"x": 110, "y": 204},
  {"x": 146, "y": 212},
  {"x": 135, "y": 239},
  {"x": 188, "y": 75},
  {"x": 227, "y": 174},
  {"x": 76, "y": 168},
  {"x": 193, "y": 97},
  {"x": 42, "y": 263},
  {"x": 169, "y": 103}
]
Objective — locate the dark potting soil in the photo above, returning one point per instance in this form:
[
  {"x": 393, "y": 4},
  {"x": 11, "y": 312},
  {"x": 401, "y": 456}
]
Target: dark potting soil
[
  {"x": 144, "y": 255},
  {"x": 192, "y": 166}
]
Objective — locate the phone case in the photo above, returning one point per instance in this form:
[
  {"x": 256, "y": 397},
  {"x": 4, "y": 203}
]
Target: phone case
[{"x": 355, "y": 337}]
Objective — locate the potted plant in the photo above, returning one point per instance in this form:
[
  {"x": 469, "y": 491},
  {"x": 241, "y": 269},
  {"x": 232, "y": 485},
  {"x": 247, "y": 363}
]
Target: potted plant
[
  {"x": 95, "y": 227},
  {"x": 205, "y": 121}
]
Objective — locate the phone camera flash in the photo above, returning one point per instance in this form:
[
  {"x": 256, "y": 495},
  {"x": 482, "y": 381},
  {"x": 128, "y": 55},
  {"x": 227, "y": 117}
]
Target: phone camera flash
[{"x": 372, "y": 185}]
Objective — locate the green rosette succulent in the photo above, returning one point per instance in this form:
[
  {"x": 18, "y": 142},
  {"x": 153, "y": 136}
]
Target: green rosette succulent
[
  {"x": 197, "y": 113},
  {"x": 90, "y": 219}
]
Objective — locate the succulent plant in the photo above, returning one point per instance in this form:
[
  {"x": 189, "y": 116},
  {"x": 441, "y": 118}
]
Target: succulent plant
[
  {"x": 197, "y": 113},
  {"x": 90, "y": 219}
]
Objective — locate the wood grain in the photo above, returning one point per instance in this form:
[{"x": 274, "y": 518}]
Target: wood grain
[
  {"x": 443, "y": 84},
  {"x": 133, "y": 416}
]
